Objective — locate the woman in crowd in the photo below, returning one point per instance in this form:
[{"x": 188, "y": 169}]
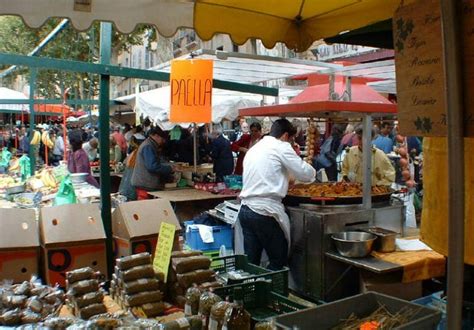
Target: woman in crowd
[
  {"x": 78, "y": 162},
  {"x": 243, "y": 144}
]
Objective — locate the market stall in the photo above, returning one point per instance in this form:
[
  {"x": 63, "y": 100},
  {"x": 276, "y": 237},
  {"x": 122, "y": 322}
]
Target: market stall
[
  {"x": 318, "y": 212},
  {"x": 298, "y": 31}
]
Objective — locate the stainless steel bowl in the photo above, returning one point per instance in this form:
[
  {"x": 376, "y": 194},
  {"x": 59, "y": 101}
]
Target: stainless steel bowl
[
  {"x": 354, "y": 244},
  {"x": 385, "y": 239},
  {"x": 79, "y": 177},
  {"x": 16, "y": 189}
]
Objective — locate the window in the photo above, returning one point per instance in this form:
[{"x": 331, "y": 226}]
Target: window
[
  {"x": 126, "y": 62},
  {"x": 221, "y": 48},
  {"x": 139, "y": 64},
  {"x": 235, "y": 48},
  {"x": 147, "y": 59}
]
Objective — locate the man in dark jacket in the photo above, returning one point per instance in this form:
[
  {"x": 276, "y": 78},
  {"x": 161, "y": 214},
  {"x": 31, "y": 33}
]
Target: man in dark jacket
[
  {"x": 221, "y": 154},
  {"x": 151, "y": 172}
]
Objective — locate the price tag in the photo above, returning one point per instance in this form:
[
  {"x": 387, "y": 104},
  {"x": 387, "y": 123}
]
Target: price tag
[{"x": 164, "y": 246}]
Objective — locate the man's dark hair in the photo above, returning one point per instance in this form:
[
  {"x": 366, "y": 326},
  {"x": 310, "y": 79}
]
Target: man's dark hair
[
  {"x": 256, "y": 125},
  {"x": 157, "y": 131},
  {"x": 75, "y": 140},
  {"x": 280, "y": 127},
  {"x": 385, "y": 124}
]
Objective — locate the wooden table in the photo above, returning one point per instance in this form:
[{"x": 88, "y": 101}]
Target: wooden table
[
  {"x": 188, "y": 194},
  {"x": 115, "y": 179},
  {"x": 189, "y": 202}
]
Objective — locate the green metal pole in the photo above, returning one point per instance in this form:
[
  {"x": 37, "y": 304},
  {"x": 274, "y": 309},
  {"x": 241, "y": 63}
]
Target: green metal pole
[
  {"x": 33, "y": 73},
  {"x": 104, "y": 141}
]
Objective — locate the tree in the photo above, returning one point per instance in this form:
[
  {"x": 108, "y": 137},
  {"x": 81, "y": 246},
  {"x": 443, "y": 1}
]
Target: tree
[{"x": 69, "y": 44}]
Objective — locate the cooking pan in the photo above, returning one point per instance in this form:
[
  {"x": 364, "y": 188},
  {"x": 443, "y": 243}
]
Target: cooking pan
[{"x": 294, "y": 200}]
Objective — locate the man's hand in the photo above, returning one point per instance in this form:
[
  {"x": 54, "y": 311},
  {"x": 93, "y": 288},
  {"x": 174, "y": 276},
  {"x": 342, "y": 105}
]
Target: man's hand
[{"x": 242, "y": 149}]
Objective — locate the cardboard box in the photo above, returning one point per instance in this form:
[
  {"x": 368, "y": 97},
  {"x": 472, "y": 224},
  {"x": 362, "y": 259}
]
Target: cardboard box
[
  {"x": 135, "y": 225},
  {"x": 390, "y": 285},
  {"x": 19, "y": 244},
  {"x": 72, "y": 236}
]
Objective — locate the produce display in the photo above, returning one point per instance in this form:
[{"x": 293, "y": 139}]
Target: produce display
[
  {"x": 379, "y": 319},
  {"x": 207, "y": 300},
  {"x": 218, "y": 312},
  {"x": 338, "y": 189},
  {"x": 401, "y": 149},
  {"x": 29, "y": 302},
  {"x": 84, "y": 294},
  {"x": 135, "y": 285},
  {"x": 312, "y": 140}
]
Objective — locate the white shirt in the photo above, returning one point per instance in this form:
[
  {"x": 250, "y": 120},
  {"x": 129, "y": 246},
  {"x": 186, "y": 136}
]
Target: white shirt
[
  {"x": 91, "y": 152},
  {"x": 267, "y": 169},
  {"x": 58, "y": 148}
]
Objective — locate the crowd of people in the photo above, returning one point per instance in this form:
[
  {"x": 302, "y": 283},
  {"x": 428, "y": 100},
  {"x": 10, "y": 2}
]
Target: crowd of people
[{"x": 145, "y": 150}]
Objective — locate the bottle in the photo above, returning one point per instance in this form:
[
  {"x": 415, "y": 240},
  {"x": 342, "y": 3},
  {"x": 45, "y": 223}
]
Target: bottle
[{"x": 236, "y": 317}]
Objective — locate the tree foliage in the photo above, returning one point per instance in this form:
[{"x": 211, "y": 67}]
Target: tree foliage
[{"x": 17, "y": 38}]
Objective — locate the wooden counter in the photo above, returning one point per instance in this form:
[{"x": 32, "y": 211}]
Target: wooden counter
[{"x": 188, "y": 194}]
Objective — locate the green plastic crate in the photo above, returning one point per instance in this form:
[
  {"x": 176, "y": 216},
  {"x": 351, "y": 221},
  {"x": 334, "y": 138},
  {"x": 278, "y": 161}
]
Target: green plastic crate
[
  {"x": 279, "y": 278},
  {"x": 260, "y": 301}
]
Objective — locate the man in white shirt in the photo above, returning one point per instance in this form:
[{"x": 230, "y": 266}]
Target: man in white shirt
[
  {"x": 267, "y": 170},
  {"x": 91, "y": 149}
]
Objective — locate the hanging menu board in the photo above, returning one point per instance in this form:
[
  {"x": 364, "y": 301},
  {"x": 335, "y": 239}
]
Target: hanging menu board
[
  {"x": 419, "y": 68},
  {"x": 468, "y": 64}
]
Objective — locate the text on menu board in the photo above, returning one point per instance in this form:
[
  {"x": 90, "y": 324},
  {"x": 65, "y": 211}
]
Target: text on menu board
[{"x": 191, "y": 91}]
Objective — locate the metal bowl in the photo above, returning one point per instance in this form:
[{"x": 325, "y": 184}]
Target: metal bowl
[
  {"x": 354, "y": 244},
  {"x": 79, "y": 177},
  {"x": 19, "y": 188}
]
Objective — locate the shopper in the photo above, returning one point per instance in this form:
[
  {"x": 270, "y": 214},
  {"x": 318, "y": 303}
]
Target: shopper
[
  {"x": 78, "y": 162},
  {"x": 267, "y": 169},
  {"x": 115, "y": 151},
  {"x": 58, "y": 150},
  {"x": 91, "y": 149},
  {"x": 221, "y": 154},
  {"x": 151, "y": 172},
  {"x": 243, "y": 144},
  {"x": 383, "y": 173},
  {"x": 326, "y": 159},
  {"x": 383, "y": 140},
  {"x": 120, "y": 140}
]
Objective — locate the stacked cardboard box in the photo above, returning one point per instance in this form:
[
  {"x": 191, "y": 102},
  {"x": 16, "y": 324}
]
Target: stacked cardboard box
[{"x": 136, "y": 286}]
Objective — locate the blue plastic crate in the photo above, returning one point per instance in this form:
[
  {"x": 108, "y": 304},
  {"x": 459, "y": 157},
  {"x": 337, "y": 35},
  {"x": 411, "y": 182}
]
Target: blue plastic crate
[
  {"x": 433, "y": 301},
  {"x": 223, "y": 235}
]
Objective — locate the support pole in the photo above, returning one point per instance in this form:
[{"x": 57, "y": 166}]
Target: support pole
[
  {"x": 451, "y": 26},
  {"x": 367, "y": 162},
  {"x": 33, "y": 73},
  {"x": 195, "y": 151},
  {"x": 104, "y": 143}
]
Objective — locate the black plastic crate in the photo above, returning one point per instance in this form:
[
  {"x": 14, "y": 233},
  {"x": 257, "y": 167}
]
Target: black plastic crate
[
  {"x": 279, "y": 278},
  {"x": 259, "y": 300},
  {"x": 330, "y": 315}
]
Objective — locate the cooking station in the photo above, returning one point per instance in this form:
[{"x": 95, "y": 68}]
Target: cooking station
[{"x": 317, "y": 270}]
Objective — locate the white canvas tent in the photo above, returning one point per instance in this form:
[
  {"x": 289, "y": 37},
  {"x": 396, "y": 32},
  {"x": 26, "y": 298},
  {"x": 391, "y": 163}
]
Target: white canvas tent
[
  {"x": 155, "y": 104},
  {"x": 10, "y": 94}
]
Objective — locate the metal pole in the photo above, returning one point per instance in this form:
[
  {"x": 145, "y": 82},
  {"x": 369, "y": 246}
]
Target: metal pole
[
  {"x": 33, "y": 73},
  {"x": 195, "y": 147},
  {"x": 451, "y": 26},
  {"x": 104, "y": 142},
  {"x": 367, "y": 162},
  {"x": 349, "y": 88},
  {"x": 332, "y": 79}
]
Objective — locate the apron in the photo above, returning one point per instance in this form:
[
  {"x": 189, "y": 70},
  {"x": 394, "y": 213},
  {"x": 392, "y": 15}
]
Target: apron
[{"x": 268, "y": 206}]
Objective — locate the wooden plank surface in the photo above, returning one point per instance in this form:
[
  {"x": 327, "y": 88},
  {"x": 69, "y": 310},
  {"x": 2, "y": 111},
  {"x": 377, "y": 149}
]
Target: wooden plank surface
[{"x": 185, "y": 195}]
